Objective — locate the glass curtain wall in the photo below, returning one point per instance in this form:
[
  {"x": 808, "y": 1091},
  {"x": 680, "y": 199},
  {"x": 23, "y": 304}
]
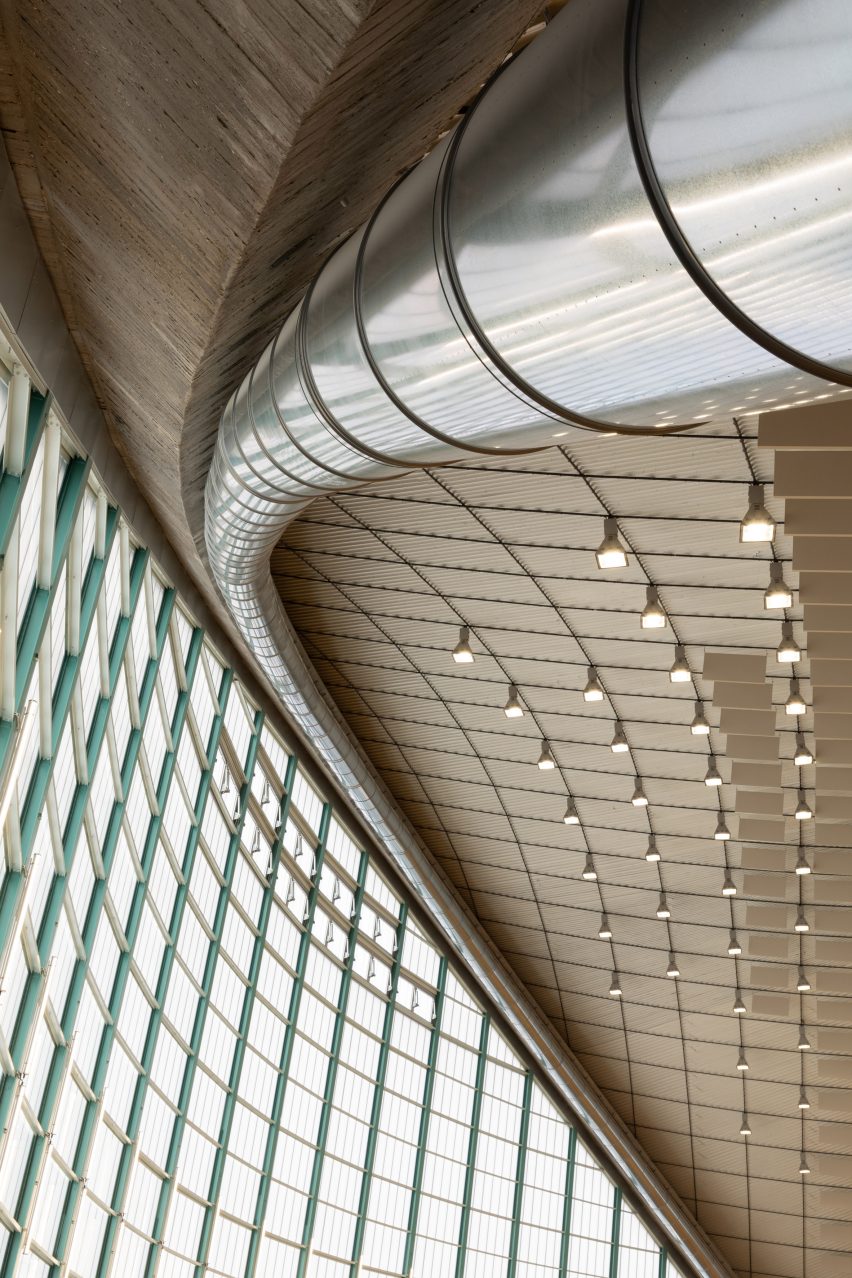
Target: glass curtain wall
[{"x": 227, "y": 1046}]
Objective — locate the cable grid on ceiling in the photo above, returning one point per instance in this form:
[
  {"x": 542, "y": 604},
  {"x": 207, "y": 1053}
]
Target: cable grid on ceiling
[{"x": 378, "y": 584}]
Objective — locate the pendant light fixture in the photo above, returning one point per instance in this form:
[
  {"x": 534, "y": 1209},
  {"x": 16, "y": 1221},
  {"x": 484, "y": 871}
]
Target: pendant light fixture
[
  {"x": 804, "y": 1169},
  {"x": 615, "y": 986},
  {"x": 663, "y": 911},
  {"x": 652, "y": 852},
  {"x": 803, "y": 755},
  {"x": 593, "y": 690},
  {"x": 803, "y": 809},
  {"x": 804, "y": 1103},
  {"x": 610, "y": 553},
  {"x": 571, "y": 817},
  {"x": 679, "y": 672},
  {"x": 590, "y": 874},
  {"x": 745, "y": 1126},
  {"x": 699, "y": 726},
  {"x": 742, "y": 1063},
  {"x": 463, "y": 653},
  {"x": 672, "y": 970},
  {"x": 729, "y": 887},
  {"x": 722, "y": 833},
  {"x": 712, "y": 776},
  {"x": 619, "y": 745},
  {"x": 801, "y": 924},
  {"x": 546, "y": 761},
  {"x": 605, "y": 931},
  {"x": 513, "y": 708},
  {"x": 804, "y": 1042},
  {"x": 639, "y": 799},
  {"x": 777, "y": 594},
  {"x": 795, "y": 703},
  {"x": 788, "y": 650},
  {"x": 757, "y": 524},
  {"x": 803, "y": 865},
  {"x": 803, "y": 985},
  {"x": 653, "y": 617},
  {"x": 739, "y": 1005},
  {"x": 734, "y": 947}
]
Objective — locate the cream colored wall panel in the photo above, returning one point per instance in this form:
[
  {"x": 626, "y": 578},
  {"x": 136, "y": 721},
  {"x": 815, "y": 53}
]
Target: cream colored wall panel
[
  {"x": 822, "y": 554},
  {"x": 758, "y": 748},
  {"x": 743, "y": 696},
  {"x": 747, "y": 722},
  {"x": 764, "y": 802},
  {"x": 758, "y": 776},
  {"x": 824, "y": 475},
  {"x": 739, "y": 667}
]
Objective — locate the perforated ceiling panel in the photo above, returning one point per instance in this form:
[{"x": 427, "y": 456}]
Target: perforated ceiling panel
[{"x": 378, "y": 584}]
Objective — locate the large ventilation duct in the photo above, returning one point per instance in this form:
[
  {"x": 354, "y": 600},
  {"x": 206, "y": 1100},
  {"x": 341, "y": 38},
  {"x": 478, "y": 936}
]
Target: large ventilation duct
[{"x": 644, "y": 223}]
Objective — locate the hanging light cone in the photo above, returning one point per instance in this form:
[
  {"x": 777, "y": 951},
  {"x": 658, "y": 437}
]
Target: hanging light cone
[
  {"x": 722, "y": 833},
  {"x": 803, "y": 1043},
  {"x": 712, "y": 776},
  {"x": 795, "y": 703},
  {"x": 672, "y": 970},
  {"x": 745, "y": 1126},
  {"x": 619, "y": 745},
  {"x": 739, "y": 1005},
  {"x": 546, "y": 760},
  {"x": 734, "y": 947},
  {"x": 652, "y": 852},
  {"x": 804, "y": 1169},
  {"x": 699, "y": 726},
  {"x": 742, "y": 1063},
  {"x": 788, "y": 650},
  {"x": 610, "y": 553},
  {"x": 729, "y": 887},
  {"x": 589, "y": 871},
  {"x": 778, "y": 594},
  {"x": 802, "y": 982},
  {"x": 571, "y": 817},
  {"x": 593, "y": 690},
  {"x": 653, "y": 617},
  {"x": 804, "y": 1103},
  {"x": 803, "y": 809},
  {"x": 265, "y": 793},
  {"x": 802, "y": 863},
  {"x": 237, "y": 809},
  {"x": 615, "y": 986},
  {"x": 225, "y": 782},
  {"x": 255, "y": 841},
  {"x": 639, "y": 799},
  {"x": 605, "y": 931},
  {"x": 663, "y": 911},
  {"x": 279, "y": 820},
  {"x": 513, "y": 708},
  {"x": 463, "y": 653},
  {"x": 680, "y": 672},
  {"x": 801, "y": 924},
  {"x": 757, "y": 524},
  {"x": 803, "y": 755}
]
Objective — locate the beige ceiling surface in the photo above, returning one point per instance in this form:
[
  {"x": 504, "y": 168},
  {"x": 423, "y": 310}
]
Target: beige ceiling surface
[{"x": 378, "y": 584}]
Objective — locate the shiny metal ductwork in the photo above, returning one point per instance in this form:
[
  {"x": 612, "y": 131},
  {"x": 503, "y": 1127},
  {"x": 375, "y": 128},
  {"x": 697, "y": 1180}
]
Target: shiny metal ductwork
[{"x": 642, "y": 224}]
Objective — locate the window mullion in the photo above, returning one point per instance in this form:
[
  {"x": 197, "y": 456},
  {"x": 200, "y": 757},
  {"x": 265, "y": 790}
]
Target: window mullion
[
  {"x": 245, "y": 1020},
  {"x": 167, "y": 1187},
  {"x": 287, "y": 1047},
  {"x": 378, "y": 1094}
]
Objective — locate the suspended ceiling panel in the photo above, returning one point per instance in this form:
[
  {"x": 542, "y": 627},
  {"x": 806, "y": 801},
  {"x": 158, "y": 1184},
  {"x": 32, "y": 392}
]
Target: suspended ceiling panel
[{"x": 378, "y": 584}]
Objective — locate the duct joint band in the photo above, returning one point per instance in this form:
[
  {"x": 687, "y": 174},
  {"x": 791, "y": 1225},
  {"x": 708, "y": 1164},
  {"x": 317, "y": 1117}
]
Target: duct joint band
[{"x": 671, "y": 228}]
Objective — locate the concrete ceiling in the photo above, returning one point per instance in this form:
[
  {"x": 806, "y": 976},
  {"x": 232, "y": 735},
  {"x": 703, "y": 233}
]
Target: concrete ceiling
[{"x": 187, "y": 165}]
